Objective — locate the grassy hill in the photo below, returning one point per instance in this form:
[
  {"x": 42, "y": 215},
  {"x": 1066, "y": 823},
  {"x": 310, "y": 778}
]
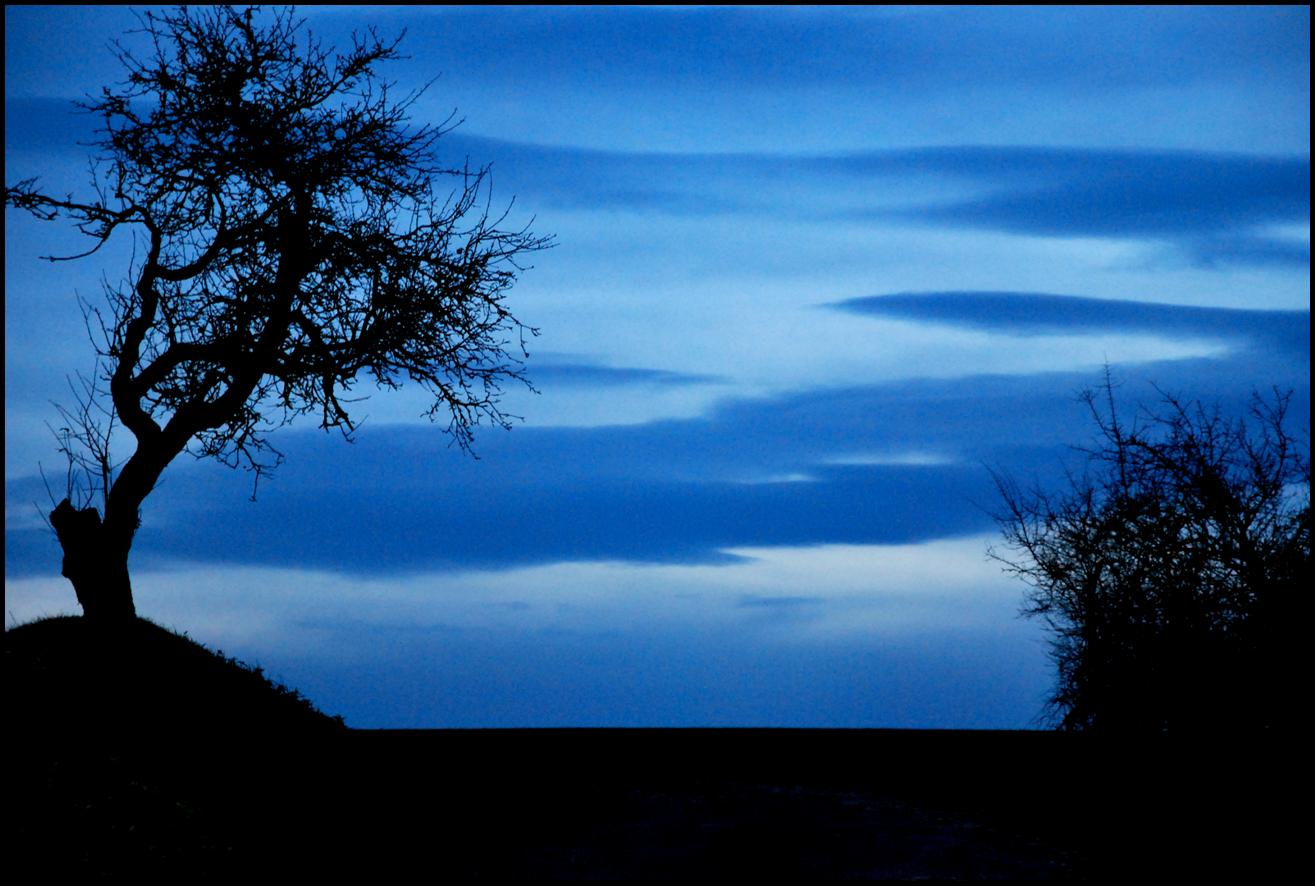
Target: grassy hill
[
  {"x": 137, "y": 749},
  {"x": 65, "y": 675}
]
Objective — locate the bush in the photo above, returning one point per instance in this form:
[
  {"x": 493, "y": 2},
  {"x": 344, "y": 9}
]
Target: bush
[{"x": 1172, "y": 572}]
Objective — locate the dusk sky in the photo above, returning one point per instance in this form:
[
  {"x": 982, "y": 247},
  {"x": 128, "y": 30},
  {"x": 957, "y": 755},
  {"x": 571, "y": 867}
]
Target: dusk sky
[{"x": 818, "y": 271}]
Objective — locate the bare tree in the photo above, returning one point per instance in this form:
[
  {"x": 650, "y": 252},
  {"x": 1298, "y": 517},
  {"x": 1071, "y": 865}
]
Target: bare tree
[
  {"x": 1172, "y": 571},
  {"x": 295, "y": 235}
]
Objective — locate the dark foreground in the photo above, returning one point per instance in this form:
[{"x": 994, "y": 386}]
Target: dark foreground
[
  {"x": 111, "y": 790},
  {"x": 598, "y": 804}
]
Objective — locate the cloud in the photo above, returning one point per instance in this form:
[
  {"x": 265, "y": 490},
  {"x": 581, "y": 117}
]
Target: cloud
[
  {"x": 47, "y": 125},
  {"x": 434, "y": 527},
  {"x": 1122, "y": 194},
  {"x": 922, "y": 635},
  {"x": 917, "y": 636},
  {"x": 762, "y": 77},
  {"x": 936, "y": 49},
  {"x": 1215, "y": 208},
  {"x": 401, "y": 500},
  {"x": 1034, "y": 190},
  {"x": 758, "y": 601},
  {"x": 29, "y": 551},
  {"x": 547, "y": 375},
  {"x": 1240, "y": 250},
  {"x": 1032, "y": 313}
]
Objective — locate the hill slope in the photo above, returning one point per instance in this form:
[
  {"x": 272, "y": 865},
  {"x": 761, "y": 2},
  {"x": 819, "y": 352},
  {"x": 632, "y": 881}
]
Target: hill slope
[
  {"x": 65, "y": 674},
  {"x": 137, "y": 749}
]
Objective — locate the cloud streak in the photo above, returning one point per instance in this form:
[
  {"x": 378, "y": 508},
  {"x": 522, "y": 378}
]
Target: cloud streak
[
  {"x": 1122, "y": 194},
  {"x": 925, "y": 50},
  {"x": 582, "y": 374},
  {"x": 402, "y": 501},
  {"x": 1215, "y": 208},
  {"x": 1031, "y": 313}
]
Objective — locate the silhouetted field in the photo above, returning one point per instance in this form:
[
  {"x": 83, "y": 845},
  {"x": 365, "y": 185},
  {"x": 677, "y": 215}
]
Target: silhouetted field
[{"x": 144, "y": 752}]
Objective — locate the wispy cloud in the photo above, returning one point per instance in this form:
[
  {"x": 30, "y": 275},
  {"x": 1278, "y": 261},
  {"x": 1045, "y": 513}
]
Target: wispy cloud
[
  {"x": 1243, "y": 250},
  {"x": 402, "y": 501},
  {"x": 1033, "y": 313},
  {"x": 746, "y": 48},
  {"x": 616, "y": 645},
  {"x": 1029, "y": 189},
  {"x": 1126, "y": 194},
  {"x": 1214, "y": 208},
  {"x": 551, "y": 374}
]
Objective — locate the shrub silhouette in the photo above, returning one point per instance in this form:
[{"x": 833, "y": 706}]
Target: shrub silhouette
[{"x": 1172, "y": 572}]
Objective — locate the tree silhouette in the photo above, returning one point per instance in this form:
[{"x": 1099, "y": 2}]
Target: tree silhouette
[
  {"x": 294, "y": 235},
  {"x": 1172, "y": 573}
]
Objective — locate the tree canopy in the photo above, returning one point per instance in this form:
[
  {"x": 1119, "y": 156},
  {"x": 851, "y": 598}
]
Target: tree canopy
[{"x": 295, "y": 236}]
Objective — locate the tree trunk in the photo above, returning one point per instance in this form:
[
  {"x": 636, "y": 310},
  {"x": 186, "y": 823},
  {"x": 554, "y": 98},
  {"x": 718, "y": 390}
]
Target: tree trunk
[{"x": 97, "y": 567}]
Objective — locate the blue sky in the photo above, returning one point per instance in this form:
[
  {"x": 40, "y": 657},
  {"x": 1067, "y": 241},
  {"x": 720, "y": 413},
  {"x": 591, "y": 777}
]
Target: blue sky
[{"x": 817, "y": 271}]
